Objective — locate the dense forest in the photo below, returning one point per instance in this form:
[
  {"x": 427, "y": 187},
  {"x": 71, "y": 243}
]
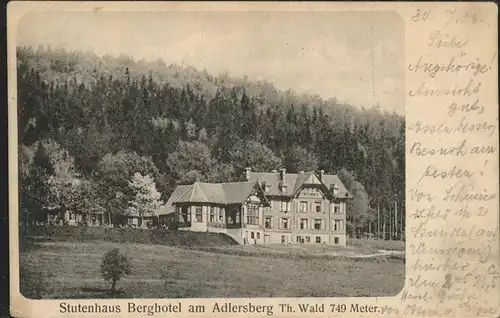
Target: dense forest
[{"x": 88, "y": 124}]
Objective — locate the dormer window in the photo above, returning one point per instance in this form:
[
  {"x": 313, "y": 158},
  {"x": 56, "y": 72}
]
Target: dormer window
[
  {"x": 335, "y": 189},
  {"x": 283, "y": 187}
]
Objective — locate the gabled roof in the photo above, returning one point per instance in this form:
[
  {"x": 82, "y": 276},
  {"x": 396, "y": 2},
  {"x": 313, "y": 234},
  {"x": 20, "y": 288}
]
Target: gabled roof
[
  {"x": 294, "y": 181},
  {"x": 178, "y": 192},
  {"x": 329, "y": 179},
  {"x": 217, "y": 193},
  {"x": 237, "y": 192}
]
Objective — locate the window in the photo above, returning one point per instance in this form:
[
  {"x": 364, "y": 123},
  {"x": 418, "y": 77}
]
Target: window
[
  {"x": 283, "y": 239},
  {"x": 318, "y": 239},
  {"x": 317, "y": 224},
  {"x": 284, "y": 223},
  {"x": 252, "y": 214},
  {"x": 338, "y": 225},
  {"x": 303, "y": 224},
  {"x": 283, "y": 206},
  {"x": 186, "y": 214},
  {"x": 308, "y": 239},
  {"x": 258, "y": 235},
  {"x": 130, "y": 221},
  {"x": 335, "y": 189},
  {"x": 199, "y": 215},
  {"x": 318, "y": 207},
  {"x": 212, "y": 214},
  {"x": 299, "y": 239},
  {"x": 336, "y": 240},
  {"x": 336, "y": 208},
  {"x": 267, "y": 224},
  {"x": 221, "y": 215},
  {"x": 252, "y": 235},
  {"x": 303, "y": 206}
]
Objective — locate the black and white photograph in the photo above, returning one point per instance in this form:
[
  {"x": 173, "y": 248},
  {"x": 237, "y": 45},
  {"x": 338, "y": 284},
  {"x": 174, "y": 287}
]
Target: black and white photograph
[{"x": 211, "y": 154}]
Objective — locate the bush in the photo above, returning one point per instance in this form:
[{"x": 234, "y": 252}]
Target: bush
[{"x": 114, "y": 266}]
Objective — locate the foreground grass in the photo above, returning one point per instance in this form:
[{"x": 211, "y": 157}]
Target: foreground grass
[{"x": 72, "y": 270}]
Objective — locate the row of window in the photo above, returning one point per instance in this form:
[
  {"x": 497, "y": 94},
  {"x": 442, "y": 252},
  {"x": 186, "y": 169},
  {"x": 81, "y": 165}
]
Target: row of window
[
  {"x": 253, "y": 214},
  {"x": 304, "y": 207},
  {"x": 307, "y": 239},
  {"x": 253, "y": 218},
  {"x": 252, "y": 235},
  {"x": 252, "y": 211},
  {"x": 318, "y": 224},
  {"x": 300, "y": 239},
  {"x": 213, "y": 215}
]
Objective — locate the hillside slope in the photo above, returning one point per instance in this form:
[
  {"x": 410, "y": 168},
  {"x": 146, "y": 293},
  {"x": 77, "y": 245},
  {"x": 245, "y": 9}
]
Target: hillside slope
[{"x": 186, "y": 125}]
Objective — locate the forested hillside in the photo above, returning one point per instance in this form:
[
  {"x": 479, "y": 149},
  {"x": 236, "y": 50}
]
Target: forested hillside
[{"x": 87, "y": 124}]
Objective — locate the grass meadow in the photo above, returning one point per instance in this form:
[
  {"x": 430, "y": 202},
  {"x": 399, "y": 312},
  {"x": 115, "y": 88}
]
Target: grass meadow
[{"x": 72, "y": 270}]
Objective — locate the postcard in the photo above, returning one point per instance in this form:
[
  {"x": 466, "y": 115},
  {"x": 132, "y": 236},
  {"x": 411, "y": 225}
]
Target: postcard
[{"x": 253, "y": 159}]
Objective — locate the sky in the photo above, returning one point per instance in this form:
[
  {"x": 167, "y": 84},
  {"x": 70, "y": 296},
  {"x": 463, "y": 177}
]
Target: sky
[{"x": 354, "y": 56}]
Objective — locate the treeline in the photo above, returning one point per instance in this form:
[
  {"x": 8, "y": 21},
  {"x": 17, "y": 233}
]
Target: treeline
[{"x": 114, "y": 117}]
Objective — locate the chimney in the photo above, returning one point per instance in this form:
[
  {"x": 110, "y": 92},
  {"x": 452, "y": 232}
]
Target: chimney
[
  {"x": 282, "y": 174},
  {"x": 247, "y": 173},
  {"x": 321, "y": 174},
  {"x": 263, "y": 185}
]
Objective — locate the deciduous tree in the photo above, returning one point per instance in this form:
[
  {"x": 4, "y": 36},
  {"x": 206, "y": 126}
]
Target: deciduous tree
[
  {"x": 114, "y": 267},
  {"x": 358, "y": 208},
  {"x": 146, "y": 200},
  {"x": 254, "y": 155}
]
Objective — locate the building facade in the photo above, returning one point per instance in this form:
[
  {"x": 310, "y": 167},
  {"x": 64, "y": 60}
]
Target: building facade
[
  {"x": 234, "y": 208},
  {"x": 267, "y": 208},
  {"x": 305, "y": 207},
  {"x": 59, "y": 217}
]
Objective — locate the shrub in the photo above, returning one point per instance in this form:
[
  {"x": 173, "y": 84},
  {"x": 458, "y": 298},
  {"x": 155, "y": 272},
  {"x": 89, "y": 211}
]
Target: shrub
[{"x": 115, "y": 266}]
